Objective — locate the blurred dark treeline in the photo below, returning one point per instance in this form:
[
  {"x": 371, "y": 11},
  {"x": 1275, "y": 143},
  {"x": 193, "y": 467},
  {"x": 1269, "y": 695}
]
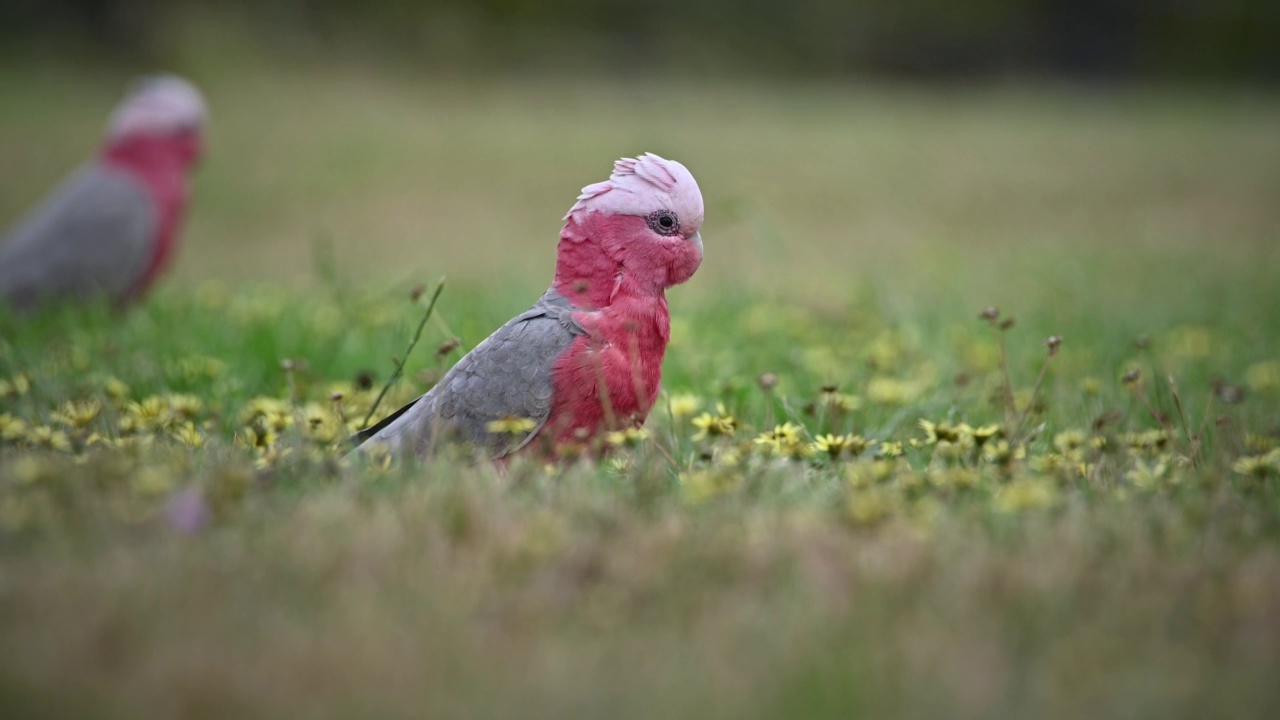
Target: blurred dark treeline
[{"x": 923, "y": 38}]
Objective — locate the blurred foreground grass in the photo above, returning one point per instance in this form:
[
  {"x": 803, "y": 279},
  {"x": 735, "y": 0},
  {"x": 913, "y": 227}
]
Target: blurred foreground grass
[{"x": 177, "y": 537}]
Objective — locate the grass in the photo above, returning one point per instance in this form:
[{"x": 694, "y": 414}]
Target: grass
[{"x": 177, "y": 537}]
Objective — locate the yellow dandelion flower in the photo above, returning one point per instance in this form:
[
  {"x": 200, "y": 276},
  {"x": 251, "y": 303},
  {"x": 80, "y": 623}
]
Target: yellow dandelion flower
[
  {"x": 869, "y": 506},
  {"x": 784, "y": 440},
  {"x": 953, "y": 477},
  {"x": 320, "y": 424},
  {"x": 942, "y": 432},
  {"x": 188, "y": 435},
  {"x": 1026, "y": 494},
  {"x": 831, "y": 445},
  {"x": 1070, "y": 440},
  {"x": 841, "y": 402},
  {"x": 1001, "y": 453},
  {"x": 891, "y": 449},
  {"x": 722, "y": 424},
  {"x": 115, "y": 389},
  {"x": 152, "y": 481},
  {"x": 891, "y": 391},
  {"x": 701, "y": 485},
  {"x": 630, "y": 437},
  {"x": 149, "y": 414},
  {"x": 684, "y": 405},
  {"x": 1259, "y": 466},
  {"x": 17, "y": 386},
  {"x": 983, "y": 433},
  {"x": 12, "y": 428},
  {"x": 184, "y": 405},
  {"x": 78, "y": 414},
  {"x": 1263, "y": 377},
  {"x": 511, "y": 425},
  {"x": 1256, "y": 444},
  {"x": 1147, "y": 476},
  {"x": 47, "y": 437}
]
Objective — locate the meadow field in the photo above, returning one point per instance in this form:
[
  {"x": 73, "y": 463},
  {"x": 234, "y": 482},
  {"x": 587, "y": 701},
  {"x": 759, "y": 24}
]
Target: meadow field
[{"x": 873, "y": 487}]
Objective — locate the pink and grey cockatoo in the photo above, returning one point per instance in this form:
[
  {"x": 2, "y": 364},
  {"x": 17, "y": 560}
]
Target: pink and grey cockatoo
[
  {"x": 109, "y": 230},
  {"x": 587, "y": 357}
]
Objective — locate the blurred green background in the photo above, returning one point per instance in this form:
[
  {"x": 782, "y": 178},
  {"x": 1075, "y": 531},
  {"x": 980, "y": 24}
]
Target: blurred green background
[{"x": 967, "y": 152}]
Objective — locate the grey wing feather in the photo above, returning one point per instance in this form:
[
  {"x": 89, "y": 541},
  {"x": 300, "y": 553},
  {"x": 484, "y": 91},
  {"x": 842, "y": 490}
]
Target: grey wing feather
[
  {"x": 92, "y": 236},
  {"x": 509, "y": 374}
]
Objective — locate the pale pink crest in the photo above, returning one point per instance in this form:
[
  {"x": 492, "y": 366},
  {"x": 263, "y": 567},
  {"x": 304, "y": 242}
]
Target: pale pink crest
[
  {"x": 642, "y": 185},
  {"x": 158, "y": 105}
]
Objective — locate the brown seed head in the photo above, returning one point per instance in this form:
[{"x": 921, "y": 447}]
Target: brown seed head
[
  {"x": 767, "y": 381},
  {"x": 447, "y": 347},
  {"x": 1131, "y": 377},
  {"x": 416, "y": 293},
  {"x": 1006, "y": 323},
  {"x": 1053, "y": 343},
  {"x": 990, "y": 314}
]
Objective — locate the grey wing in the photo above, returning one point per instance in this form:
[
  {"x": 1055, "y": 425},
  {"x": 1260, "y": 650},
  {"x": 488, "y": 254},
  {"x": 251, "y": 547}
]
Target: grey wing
[
  {"x": 92, "y": 236},
  {"x": 507, "y": 375}
]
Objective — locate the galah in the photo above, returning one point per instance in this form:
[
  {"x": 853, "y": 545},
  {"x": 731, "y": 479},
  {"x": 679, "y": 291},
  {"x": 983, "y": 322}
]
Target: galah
[
  {"x": 109, "y": 230},
  {"x": 587, "y": 357}
]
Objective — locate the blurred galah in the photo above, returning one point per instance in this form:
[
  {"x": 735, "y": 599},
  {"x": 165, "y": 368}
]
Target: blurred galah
[
  {"x": 109, "y": 230},
  {"x": 587, "y": 357}
]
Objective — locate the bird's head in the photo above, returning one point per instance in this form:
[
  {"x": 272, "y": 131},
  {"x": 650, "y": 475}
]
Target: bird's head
[
  {"x": 163, "y": 109},
  {"x": 641, "y": 225}
]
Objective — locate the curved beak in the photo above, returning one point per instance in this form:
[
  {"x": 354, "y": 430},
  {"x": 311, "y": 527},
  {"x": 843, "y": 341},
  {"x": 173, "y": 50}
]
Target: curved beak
[{"x": 697, "y": 240}]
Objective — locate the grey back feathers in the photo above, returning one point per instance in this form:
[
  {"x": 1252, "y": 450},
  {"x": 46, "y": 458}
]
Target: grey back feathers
[
  {"x": 92, "y": 237},
  {"x": 507, "y": 375}
]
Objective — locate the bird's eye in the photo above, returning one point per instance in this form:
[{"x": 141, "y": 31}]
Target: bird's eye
[{"x": 664, "y": 222}]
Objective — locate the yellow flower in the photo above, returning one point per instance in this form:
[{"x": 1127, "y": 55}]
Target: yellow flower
[
  {"x": 1070, "y": 440},
  {"x": 784, "y": 440},
  {"x": 511, "y": 425},
  {"x": 870, "y": 505},
  {"x": 149, "y": 414},
  {"x": 629, "y": 437},
  {"x": 1147, "y": 476},
  {"x": 953, "y": 477},
  {"x": 115, "y": 389},
  {"x": 152, "y": 481},
  {"x": 12, "y": 428},
  {"x": 1001, "y": 453},
  {"x": 188, "y": 435},
  {"x": 684, "y": 405},
  {"x": 942, "y": 432},
  {"x": 891, "y": 449},
  {"x": 1264, "y": 376},
  {"x": 833, "y": 445},
  {"x": 1091, "y": 386},
  {"x": 78, "y": 414},
  {"x": 841, "y": 402},
  {"x": 721, "y": 424},
  {"x": 983, "y": 433},
  {"x": 17, "y": 386},
  {"x": 46, "y": 437},
  {"x": 700, "y": 485},
  {"x": 1259, "y": 466},
  {"x": 864, "y": 474},
  {"x": 1026, "y": 494},
  {"x": 322, "y": 426},
  {"x": 891, "y": 391},
  {"x": 183, "y": 405},
  {"x": 837, "y": 445}
]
